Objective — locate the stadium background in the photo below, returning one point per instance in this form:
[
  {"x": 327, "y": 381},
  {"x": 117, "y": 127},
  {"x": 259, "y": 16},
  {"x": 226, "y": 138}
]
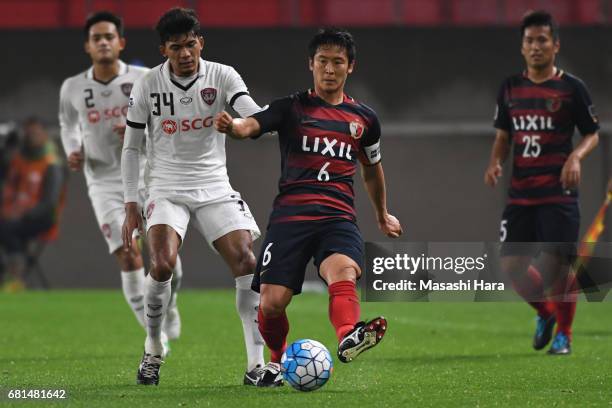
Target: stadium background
[{"x": 430, "y": 68}]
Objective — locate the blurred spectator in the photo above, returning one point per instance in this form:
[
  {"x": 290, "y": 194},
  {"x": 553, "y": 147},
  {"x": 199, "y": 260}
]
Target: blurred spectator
[
  {"x": 8, "y": 143},
  {"x": 31, "y": 201}
]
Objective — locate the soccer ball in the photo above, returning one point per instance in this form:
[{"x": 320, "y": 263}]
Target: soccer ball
[{"x": 306, "y": 365}]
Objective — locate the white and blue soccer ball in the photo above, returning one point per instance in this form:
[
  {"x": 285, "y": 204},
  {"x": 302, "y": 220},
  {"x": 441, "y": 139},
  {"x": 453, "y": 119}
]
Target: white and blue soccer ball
[{"x": 306, "y": 365}]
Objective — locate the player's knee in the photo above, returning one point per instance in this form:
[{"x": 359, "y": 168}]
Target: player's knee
[
  {"x": 343, "y": 273},
  {"x": 271, "y": 308},
  {"x": 161, "y": 269},
  {"x": 129, "y": 260},
  {"x": 246, "y": 262}
]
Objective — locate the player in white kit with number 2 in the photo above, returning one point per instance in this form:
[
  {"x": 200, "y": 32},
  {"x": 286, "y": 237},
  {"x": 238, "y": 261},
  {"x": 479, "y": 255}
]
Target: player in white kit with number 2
[
  {"x": 186, "y": 178},
  {"x": 93, "y": 108}
]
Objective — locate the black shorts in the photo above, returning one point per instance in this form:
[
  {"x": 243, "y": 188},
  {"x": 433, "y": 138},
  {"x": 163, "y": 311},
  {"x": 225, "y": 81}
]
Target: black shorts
[
  {"x": 555, "y": 226},
  {"x": 289, "y": 246}
]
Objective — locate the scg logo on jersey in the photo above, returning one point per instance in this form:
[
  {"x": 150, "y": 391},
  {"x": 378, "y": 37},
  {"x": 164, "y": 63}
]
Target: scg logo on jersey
[
  {"x": 169, "y": 127},
  {"x": 196, "y": 124},
  {"x": 94, "y": 115}
]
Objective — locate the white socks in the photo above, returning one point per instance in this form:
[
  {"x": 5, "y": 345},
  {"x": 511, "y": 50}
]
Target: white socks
[
  {"x": 177, "y": 278},
  {"x": 132, "y": 283},
  {"x": 247, "y": 303},
  {"x": 172, "y": 322},
  {"x": 156, "y": 300}
]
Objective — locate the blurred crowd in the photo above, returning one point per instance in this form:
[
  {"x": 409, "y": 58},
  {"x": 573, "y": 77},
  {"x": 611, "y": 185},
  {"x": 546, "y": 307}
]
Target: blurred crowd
[{"x": 33, "y": 184}]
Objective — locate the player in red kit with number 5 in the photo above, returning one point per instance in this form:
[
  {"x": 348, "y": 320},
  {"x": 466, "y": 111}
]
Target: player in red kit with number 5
[
  {"x": 322, "y": 133},
  {"x": 537, "y": 112}
]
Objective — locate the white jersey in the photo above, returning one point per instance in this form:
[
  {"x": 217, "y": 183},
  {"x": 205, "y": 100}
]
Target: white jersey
[
  {"x": 184, "y": 150},
  {"x": 88, "y": 111}
]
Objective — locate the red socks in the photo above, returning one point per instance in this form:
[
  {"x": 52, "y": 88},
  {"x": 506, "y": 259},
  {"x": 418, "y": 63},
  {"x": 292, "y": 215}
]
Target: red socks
[
  {"x": 274, "y": 331},
  {"x": 343, "y": 313},
  {"x": 564, "y": 292},
  {"x": 565, "y": 303},
  {"x": 343, "y": 307},
  {"x": 532, "y": 290}
]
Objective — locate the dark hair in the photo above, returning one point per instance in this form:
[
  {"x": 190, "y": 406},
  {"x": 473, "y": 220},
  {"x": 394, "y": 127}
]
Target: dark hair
[
  {"x": 333, "y": 36},
  {"x": 177, "y": 21},
  {"x": 540, "y": 18},
  {"x": 103, "y": 16}
]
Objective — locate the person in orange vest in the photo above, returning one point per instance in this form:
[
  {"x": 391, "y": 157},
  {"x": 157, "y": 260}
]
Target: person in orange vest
[{"x": 31, "y": 198}]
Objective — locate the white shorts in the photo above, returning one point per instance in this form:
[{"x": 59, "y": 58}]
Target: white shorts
[
  {"x": 217, "y": 210},
  {"x": 109, "y": 208}
]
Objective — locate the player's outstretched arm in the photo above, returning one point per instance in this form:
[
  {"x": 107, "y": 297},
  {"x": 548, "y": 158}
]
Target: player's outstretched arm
[
  {"x": 374, "y": 182},
  {"x": 236, "y": 128},
  {"x": 499, "y": 153},
  {"x": 570, "y": 174}
]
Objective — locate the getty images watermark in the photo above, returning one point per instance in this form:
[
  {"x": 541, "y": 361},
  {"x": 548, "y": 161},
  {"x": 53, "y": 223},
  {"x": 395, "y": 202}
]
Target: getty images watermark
[{"x": 478, "y": 271}]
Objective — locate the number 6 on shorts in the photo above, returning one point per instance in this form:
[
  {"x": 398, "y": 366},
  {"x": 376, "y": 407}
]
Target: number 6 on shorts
[{"x": 267, "y": 256}]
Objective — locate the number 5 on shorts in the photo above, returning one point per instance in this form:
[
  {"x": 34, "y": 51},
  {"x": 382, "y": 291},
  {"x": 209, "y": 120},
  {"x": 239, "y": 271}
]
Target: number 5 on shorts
[
  {"x": 503, "y": 230},
  {"x": 267, "y": 256}
]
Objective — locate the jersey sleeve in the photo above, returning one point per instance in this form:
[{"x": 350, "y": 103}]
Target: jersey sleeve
[
  {"x": 273, "y": 117},
  {"x": 584, "y": 110},
  {"x": 501, "y": 119},
  {"x": 138, "y": 105},
  {"x": 69, "y": 121},
  {"x": 234, "y": 86},
  {"x": 245, "y": 106},
  {"x": 370, "y": 142}
]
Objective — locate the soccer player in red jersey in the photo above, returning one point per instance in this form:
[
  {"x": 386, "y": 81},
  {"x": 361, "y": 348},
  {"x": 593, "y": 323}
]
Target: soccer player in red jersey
[
  {"x": 322, "y": 133},
  {"x": 537, "y": 112}
]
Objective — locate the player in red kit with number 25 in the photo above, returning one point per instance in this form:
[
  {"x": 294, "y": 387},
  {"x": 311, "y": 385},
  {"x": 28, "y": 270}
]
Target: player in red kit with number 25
[{"x": 537, "y": 112}]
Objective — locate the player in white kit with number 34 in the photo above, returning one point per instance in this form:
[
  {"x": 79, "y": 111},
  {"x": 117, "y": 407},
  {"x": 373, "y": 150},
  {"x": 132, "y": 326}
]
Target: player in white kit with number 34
[
  {"x": 186, "y": 178},
  {"x": 92, "y": 112}
]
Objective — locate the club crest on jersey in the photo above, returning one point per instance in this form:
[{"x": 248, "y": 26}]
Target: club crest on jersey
[
  {"x": 150, "y": 209},
  {"x": 356, "y": 129},
  {"x": 127, "y": 88},
  {"x": 169, "y": 127},
  {"x": 106, "y": 230},
  {"x": 209, "y": 95},
  {"x": 553, "y": 104}
]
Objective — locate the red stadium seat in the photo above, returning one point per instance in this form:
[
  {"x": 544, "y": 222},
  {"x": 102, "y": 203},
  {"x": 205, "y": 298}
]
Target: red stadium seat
[
  {"x": 588, "y": 12},
  {"x": 346, "y": 13},
  {"x": 566, "y": 12},
  {"x": 243, "y": 13},
  {"x": 422, "y": 12},
  {"x": 55, "y": 14},
  {"x": 31, "y": 13},
  {"x": 473, "y": 12}
]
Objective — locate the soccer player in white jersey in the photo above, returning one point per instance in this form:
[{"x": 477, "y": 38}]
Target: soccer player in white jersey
[
  {"x": 186, "y": 178},
  {"x": 93, "y": 108}
]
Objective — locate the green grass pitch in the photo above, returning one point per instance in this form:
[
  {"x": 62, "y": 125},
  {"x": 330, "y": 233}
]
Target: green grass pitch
[{"x": 434, "y": 354}]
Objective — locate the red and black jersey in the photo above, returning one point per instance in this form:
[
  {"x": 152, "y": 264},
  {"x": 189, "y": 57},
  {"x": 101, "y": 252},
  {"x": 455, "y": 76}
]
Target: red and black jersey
[
  {"x": 319, "y": 144},
  {"x": 541, "y": 119}
]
